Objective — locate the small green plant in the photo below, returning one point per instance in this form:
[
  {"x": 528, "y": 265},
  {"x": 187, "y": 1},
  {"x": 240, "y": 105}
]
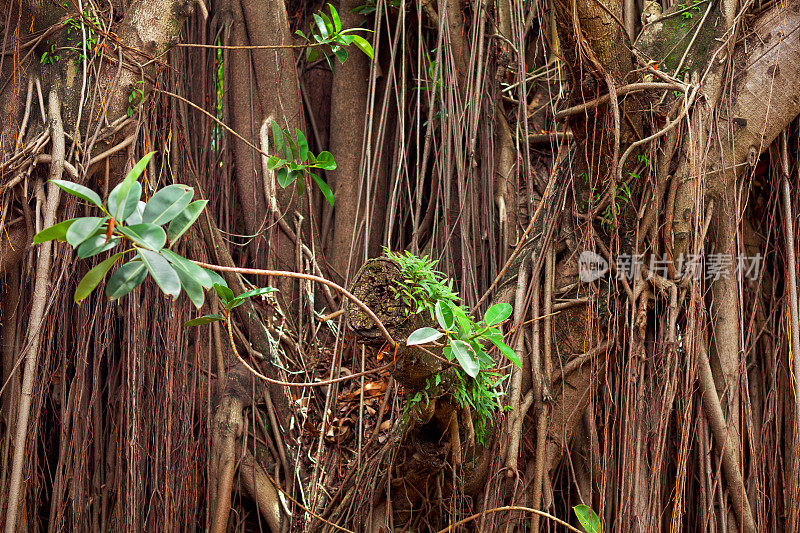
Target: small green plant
[
  {"x": 644, "y": 159},
  {"x": 327, "y": 31},
  {"x": 49, "y": 56},
  {"x": 464, "y": 339},
  {"x": 622, "y": 194},
  {"x": 588, "y": 519},
  {"x": 89, "y": 28},
  {"x": 298, "y": 161},
  {"x": 136, "y": 98},
  {"x": 229, "y": 303}
]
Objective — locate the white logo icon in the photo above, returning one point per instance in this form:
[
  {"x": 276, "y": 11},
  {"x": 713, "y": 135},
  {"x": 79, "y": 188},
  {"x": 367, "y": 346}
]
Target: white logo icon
[{"x": 591, "y": 266}]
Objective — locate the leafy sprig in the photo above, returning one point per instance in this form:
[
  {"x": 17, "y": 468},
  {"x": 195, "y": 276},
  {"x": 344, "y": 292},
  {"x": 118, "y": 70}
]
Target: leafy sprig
[
  {"x": 298, "y": 161},
  {"x": 327, "y": 31}
]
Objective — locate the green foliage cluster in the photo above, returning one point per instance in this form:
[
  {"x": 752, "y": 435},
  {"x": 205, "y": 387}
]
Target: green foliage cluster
[
  {"x": 127, "y": 220},
  {"x": 298, "y": 161},
  {"x": 78, "y": 27},
  {"x": 49, "y": 56},
  {"x": 462, "y": 338},
  {"x": 327, "y": 31},
  {"x": 136, "y": 98}
]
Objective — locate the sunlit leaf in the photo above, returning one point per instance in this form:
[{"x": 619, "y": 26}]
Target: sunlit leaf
[
  {"x": 147, "y": 235},
  {"x": 323, "y": 187},
  {"x": 497, "y": 313},
  {"x": 364, "y": 46},
  {"x": 55, "y": 232},
  {"x": 167, "y": 203},
  {"x": 588, "y": 518},
  {"x": 423, "y": 336},
  {"x": 93, "y": 277},
  {"x": 83, "y": 228},
  {"x": 465, "y": 357}
]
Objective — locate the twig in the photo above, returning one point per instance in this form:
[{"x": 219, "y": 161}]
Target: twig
[
  {"x": 510, "y": 508},
  {"x": 297, "y": 275}
]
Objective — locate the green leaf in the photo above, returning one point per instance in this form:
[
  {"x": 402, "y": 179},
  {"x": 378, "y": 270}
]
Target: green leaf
[
  {"x": 192, "y": 287},
  {"x": 290, "y": 148},
  {"x": 323, "y": 187},
  {"x": 136, "y": 216},
  {"x": 80, "y": 191},
  {"x": 206, "y": 319},
  {"x": 311, "y": 54},
  {"x": 448, "y": 352},
  {"x": 497, "y": 314},
  {"x": 239, "y": 300},
  {"x": 284, "y": 177},
  {"x": 274, "y": 162},
  {"x": 133, "y": 175},
  {"x": 204, "y": 277},
  {"x": 510, "y": 354},
  {"x": 341, "y": 54},
  {"x": 423, "y": 336},
  {"x": 93, "y": 277},
  {"x": 588, "y": 518},
  {"x": 164, "y": 275},
  {"x": 224, "y": 292},
  {"x": 301, "y": 34},
  {"x": 337, "y": 23},
  {"x": 302, "y": 145},
  {"x": 55, "y": 232},
  {"x": 277, "y": 136},
  {"x": 463, "y": 321},
  {"x": 166, "y": 203},
  {"x": 328, "y": 23},
  {"x": 466, "y": 357},
  {"x": 83, "y": 228},
  {"x": 216, "y": 278},
  {"x": 122, "y": 207},
  {"x": 300, "y": 183},
  {"x": 323, "y": 30},
  {"x": 184, "y": 220},
  {"x": 325, "y": 161},
  {"x": 96, "y": 245},
  {"x": 364, "y": 46},
  {"x": 125, "y": 279},
  {"x": 444, "y": 315},
  {"x": 147, "y": 235}
]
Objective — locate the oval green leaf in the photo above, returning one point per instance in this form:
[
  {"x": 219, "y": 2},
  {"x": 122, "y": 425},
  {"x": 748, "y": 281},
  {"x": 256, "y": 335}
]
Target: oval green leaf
[
  {"x": 323, "y": 187},
  {"x": 193, "y": 289},
  {"x": 204, "y": 277},
  {"x": 184, "y": 220},
  {"x": 96, "y": 245},
  {"x": 93, "y": 277},
  {"x": 325, "y": 161},
  {"x": 123, "y": 207},
  {"x": 224, "y": 292},
  {"x": 497, "y": 314},
  {"x": 125, "y": 279},
  {"x": 55, "y": 232},
  {"x": 166, "y": 203},
  {"x": 206, "y": 319},
  {"x": 364, "y": 46},
  {"x": 588, "y": 518},
  {"x": 465, "y": 357},
  {"x": 510, "y": 354},
  {"x": 80, "y": 191},
  {"x": 83, "y": 228},
  {"x": 163, "y": 273},
  {"x": 444, "y": 315},
  {"x": 147, "y": 235},
  {"x": 423, "y": 336}
]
